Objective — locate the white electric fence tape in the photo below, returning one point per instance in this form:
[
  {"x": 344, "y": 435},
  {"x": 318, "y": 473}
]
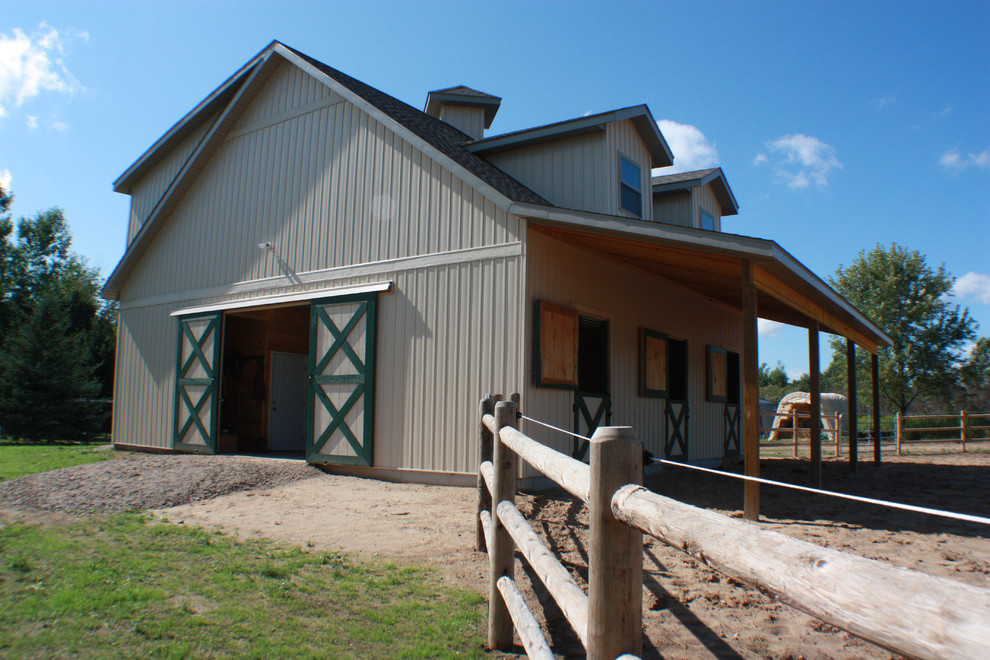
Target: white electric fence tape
[{"x": 856, "y": 498}]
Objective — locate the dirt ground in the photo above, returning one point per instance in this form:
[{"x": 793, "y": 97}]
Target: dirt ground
[{"x": 691, "y": 611}]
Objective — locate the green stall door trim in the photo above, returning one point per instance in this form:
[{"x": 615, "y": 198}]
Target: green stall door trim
[
  {"x": 360, "y": 440},
  {"x": 207, "y": 362}
]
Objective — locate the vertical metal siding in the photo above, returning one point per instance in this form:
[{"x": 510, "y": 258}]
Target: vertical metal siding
[
  {"x": 565, "y": 275},
  {"x": 330, "y": 188},
  {"x": 570, "y": 173},
  {"x": 466, "y": 119},
  {"x": 674, "y": 209},
  {"x": 146, "y": 193},
  {"x": 622, "y": 137},
  {"x": 705, "y": 200}
]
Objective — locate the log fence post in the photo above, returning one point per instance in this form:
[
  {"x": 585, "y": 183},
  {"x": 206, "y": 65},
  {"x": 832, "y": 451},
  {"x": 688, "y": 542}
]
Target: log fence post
[
  {"x": 794, "y": 429},
  {"x": 962, "y": 429},
  {"x": 615, "y": 554},
  {"x": 898, "y": 430},
  {"x": 486, "y": 407},
  {"x": 837, "y": 436},
  {"x": 502, "y": 552}
]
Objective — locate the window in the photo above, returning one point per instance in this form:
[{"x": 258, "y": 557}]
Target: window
[
  {"x": 630, "y": 187},
  {"x": 592, "y": 355},
  {"x": 677, "y": 370},
  {"x": 707, "y": 222}
]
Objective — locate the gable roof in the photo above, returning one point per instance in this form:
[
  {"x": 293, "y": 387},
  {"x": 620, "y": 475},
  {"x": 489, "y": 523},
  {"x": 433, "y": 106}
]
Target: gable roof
[
  {"x": 232, "y": 97},
  {"x": 639, "y": 115},
  {"x": 687, "y": 180}
]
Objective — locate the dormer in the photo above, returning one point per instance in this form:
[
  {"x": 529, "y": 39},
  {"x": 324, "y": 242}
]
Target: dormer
[
  {"x": 466, "y": 109},
  {"x": 598, "y": 163},
  {"x": 696, "y": 199}
]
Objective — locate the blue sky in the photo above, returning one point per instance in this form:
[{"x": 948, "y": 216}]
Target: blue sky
[{"x": 839, "y": 125}]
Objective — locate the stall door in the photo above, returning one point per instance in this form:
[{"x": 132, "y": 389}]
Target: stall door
[
  {"x": 340, "y": 404},
  {"x": 197, "y": 383},
  {"x": 287, "y": 402}
]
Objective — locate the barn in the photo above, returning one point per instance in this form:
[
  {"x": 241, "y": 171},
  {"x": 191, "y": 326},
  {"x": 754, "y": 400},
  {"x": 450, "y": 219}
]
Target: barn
[{"x": 314, "y": 266}]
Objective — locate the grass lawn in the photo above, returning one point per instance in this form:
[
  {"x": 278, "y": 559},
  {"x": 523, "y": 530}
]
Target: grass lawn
[
  {"x": 18, "y": 459},
  {"x": 127, "y": 586}
]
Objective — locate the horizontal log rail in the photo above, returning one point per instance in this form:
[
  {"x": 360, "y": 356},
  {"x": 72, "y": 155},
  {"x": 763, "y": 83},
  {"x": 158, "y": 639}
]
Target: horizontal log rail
[
  {"x": 905, "y": 611},
  {"x": 525, "y": 623},
  {"x": 607, "y": 620}
]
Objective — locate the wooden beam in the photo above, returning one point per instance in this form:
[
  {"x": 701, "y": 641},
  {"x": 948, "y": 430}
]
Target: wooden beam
[
  {"x": 853, "y": 417},
  {"x": 501, "y": 552},
  {"x": 776, "y": 288},
  {"x": 814, "y": 371},
  {"x": 751, "y": 393},
  {"x": 875, "y": 372}
]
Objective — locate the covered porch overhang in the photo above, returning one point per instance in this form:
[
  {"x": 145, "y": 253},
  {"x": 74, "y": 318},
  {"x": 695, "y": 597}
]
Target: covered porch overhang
[{"x": 753, "y": 276}]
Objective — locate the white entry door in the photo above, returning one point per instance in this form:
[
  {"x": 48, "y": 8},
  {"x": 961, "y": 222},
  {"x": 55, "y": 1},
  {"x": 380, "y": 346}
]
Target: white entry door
[{"x": 287, "y": 405}]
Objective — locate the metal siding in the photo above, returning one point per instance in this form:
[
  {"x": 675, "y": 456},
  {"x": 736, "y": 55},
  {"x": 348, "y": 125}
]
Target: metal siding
[
  {"x": 466, "y": 119},
  {"x": 149, "y": 189},
  {"x": 705, "y": 200},
  {"x": 332, "y": 188},
  {"x": 569, "y": 173},
  {"x": 673, "y": 209},
  {"x": 562, "y": 274},
  {"x": 622, "y": 137},
  {"x": 329, "y": 188}
]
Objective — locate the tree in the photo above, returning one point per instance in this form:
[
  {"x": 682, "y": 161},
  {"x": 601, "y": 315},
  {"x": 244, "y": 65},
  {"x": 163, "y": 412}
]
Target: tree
[
  {"x": 974, "y": 382},
  {"x": 42, "y": 277},
  {"x": 899, "y": 292},
  {"x": 47, "y": 384}
]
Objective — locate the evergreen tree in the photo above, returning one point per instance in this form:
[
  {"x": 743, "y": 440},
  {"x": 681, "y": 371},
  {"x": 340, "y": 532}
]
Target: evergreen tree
[{"x": 47, "y": 384}]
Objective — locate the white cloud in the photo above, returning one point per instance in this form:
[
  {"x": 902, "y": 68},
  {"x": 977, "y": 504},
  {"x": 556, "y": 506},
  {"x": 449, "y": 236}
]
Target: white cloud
[
  {"x": 32, "y": 122},
  {"x": 767, "y": 328},
  {"x": 885, "y": 101},
  {"x": 59, "y": 125},
  {"x": 31, "y": 64},
  {"x": 975, "y": 285},
  {"x": 691, "y": 149},
  {"x": 800, "y": 160},
  {"x": 5, "y": 178},
  {"x": 954, "y": 161}
]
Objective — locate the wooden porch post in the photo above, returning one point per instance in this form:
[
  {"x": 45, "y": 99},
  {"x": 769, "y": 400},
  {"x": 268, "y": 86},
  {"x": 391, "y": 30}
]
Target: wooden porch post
[
  {"x": 853, "y": 417},
  {"x": 751, "y": 394},
  {"x": 875, "y": 372},
  {"x": 814, "y": 371}
]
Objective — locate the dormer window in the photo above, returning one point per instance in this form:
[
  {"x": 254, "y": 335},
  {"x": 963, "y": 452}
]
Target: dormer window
[
  {"x": 707, "y": 221},
  {"x": 630, "y": 187}
]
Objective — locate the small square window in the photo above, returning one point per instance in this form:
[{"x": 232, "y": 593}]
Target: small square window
[
  {"x": 630, "y": 187},
  {"x": 707, "y": 222}
]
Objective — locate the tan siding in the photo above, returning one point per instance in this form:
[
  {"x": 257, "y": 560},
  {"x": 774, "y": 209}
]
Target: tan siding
[
  {"x": 149, "y": 189},
  {"x": 437, "y": 334},
  {"x": 329, "y": 188},
  {"x": 674, "y": 209},
  {"x": 573, "y": 173},
  {"x": 629, "y": 300},
  {"x": 622, "y": 137},
  {"x": 705, "y": 200},
  {"x": 466, "y": 119}
]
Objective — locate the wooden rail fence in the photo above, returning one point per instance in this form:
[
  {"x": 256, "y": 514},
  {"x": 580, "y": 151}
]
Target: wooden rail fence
[
  {"x": 961, "y": 433},
  {"x": 908, "y": 612},
  {"x": 797, "y": 432}
]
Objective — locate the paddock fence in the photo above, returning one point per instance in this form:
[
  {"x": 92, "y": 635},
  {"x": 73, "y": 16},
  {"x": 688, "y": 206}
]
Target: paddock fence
[
  {"x": 905, "y": 611},
  {"x": 965, "y": 430}
]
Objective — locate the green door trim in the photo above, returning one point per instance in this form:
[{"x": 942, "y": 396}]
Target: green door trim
[
  {"x": 363, "y": 380},
  {"x": 182, "y": 381}
]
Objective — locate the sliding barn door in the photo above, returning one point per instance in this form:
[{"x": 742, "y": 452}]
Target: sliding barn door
[
  {"x": 197, "y": 383},
  {"x": 341, "y": 400}
]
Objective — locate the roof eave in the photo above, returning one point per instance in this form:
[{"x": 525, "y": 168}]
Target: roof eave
[{"x": 187, "y": 124}]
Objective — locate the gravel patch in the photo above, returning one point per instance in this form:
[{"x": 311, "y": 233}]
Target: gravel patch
[{"x": 136, "y": 481}]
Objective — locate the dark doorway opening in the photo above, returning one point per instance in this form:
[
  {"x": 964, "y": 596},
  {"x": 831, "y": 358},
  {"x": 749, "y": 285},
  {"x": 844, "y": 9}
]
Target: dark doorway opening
[{"x": 256, "y": 341}]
